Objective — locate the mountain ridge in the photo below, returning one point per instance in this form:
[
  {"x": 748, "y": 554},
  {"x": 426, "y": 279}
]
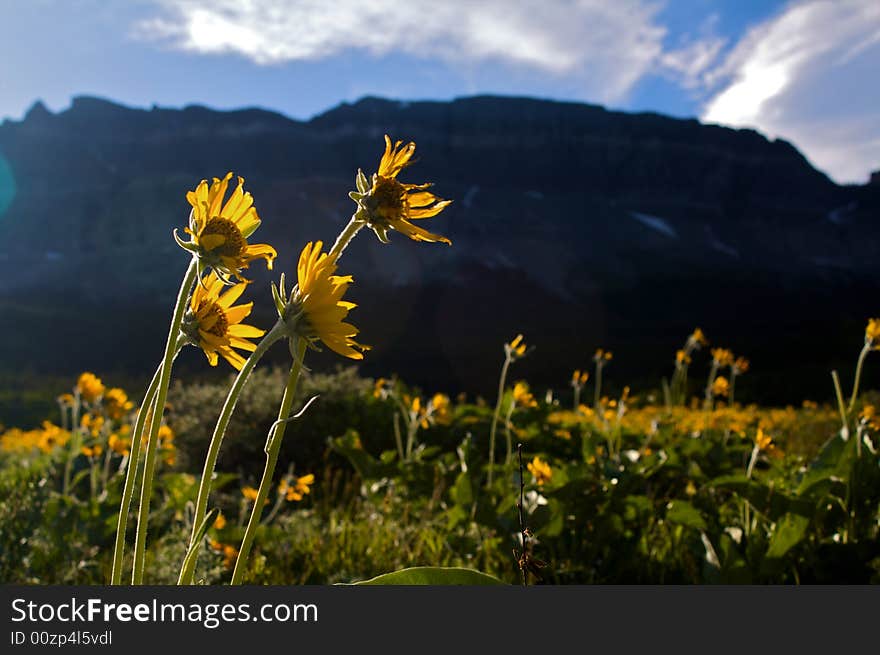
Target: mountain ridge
[{"x": 595, "y": 213}]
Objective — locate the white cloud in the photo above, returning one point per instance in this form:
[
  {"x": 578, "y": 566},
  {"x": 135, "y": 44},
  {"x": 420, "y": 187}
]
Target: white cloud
[
  {"x": 809, "y": 75},
  {"x": 604, "y": 47}
]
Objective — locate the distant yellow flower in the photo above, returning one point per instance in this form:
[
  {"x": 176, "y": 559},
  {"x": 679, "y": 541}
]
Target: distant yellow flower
[
  {"x": 522, "y": 396},
  {"x": 65, "y": 400},
  {"x": 116, "y": 404},
  {"x": 682, "y": 358},
  {"x": 720, "y": 386},
  {"x": 516, "y": 348},
  {"x": 872, "y": 333},
  {"x": 230, "y": 553},
  {"x": 379, "y": 389},
  {"x": 250, "y": 493},
  {"x": 219, "y": 232},
  {"x": 579, "y": 378},
  {"x": 119, "y": 444},
  {"x": 89, "y": 387},
  {"x": 764, "y": 443},
  {"x": 315, "y": 310},
  {"x": 690, "y": 489},
  {"x": 418, "y": 413},
  {"x": 300, "y": 487},
  {"x": 91, "y": 451},
  {"x": 220, "y": 522},
  {"x": 390, "y": 204},
  {"x": 722, "y": 356},
  {"x": 540, "y": 470},
  {"x": 697, "y": 339},
  {"x": 869, "y": 417},
  {"x": 214, "y": 325},
  {"x": 440, "y": 408},
  {"x": 740, "y": 366},
  {"x": 602, "y": 356},
  {"x": 563, "y": 434}
]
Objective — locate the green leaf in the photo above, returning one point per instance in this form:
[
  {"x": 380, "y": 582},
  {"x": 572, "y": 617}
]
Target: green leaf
[
  {"x": 462, "y": 492},
  {"x": 789, "y": 532},
  {"x": 433, "y": 575},
  {"x": 683, "y": 513}
]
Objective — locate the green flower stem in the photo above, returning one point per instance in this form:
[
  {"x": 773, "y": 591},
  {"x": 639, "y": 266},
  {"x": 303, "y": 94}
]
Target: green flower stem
[
  {"x": 709, "y": 397},
  {"x": 130, "y": 475},
  {"x": 597, "y": 393},
  {"x": 838, "y": 392},
  {"x": 74, "y": 443},
  {"x": 345, "y": 237},
  {"x": 273, "y": 447},
  {"x": 855, "y": 392},
  {"x": 501, "y": 383},
  {"x": 187, "y": 571},
  {"x": 171, "y": 349}
]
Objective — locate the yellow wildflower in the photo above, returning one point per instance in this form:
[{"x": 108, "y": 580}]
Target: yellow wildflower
[
  {"x": 869, "y": 417},
  {"x": 220, "y": 522},
  {"x": 522, "y": 396},
  {"x": 563, "y": 434},
  {"x": 250, "y": 493},
  {"x": 315, "y": 310},
  {"x": 579, "y": 378},
  {"x": 740, "y": 366},
  {"x": 872, "y": 333},
  {"x": 722, "y": 356},
  {"x": 720, "y": 386},
  {"x": 697, "y": 339},
  {"x": 764, "y": 443},
  {"x": 230, "y": 553},
  {"x": 300, "y": 487},
  {"x": 540, "y": 470},
  {"x": 516, "y": 348},
  {"x": 65, "y": 400},
  {"x": 91, "y": 451},
  {"x": 214, "y": 325},
  {"x": 219, "y": 232},
  {"x": 602, "y": 356},
  {"x": 379, "y": 390},
  {"x": 682, "y": 358},
  {"x": 116, "y": 404},
  {"x": 89, "y": 387},
  {"x": 390, "y": 204},
  {"x": 119, "y": 444},
  {"x": 440, "y": 408}
]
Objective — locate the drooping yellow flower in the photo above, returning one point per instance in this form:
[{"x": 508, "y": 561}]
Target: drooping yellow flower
[
  {"x": 300, "y": 487},
  {"x": 214, "y": 325},
  {"x": 740, "y": 366},
  {"x": 516, "y": 348},
  {"x": 118, "y": 443},
  {"x": 389, "y": 204},
  {"x": 116, "y": 404},
  {"x": 440, "y": 409},
  {"x": 65, "y": 400},
  {"x": 720, "y": 386},
  {"x": 522, "y": 396},
  {"x": 872, "y": 333},
  {"x": 764, "y": 443},
  {"x": 722, "y": 356},
  {"x": 316, "y": 310},
  {"x": 697, "y": 339},
  {"x": 579, "y": 378},
  {"x": 682, "y": 358},
  {"x": 89, "y": 387},
  {"x": 92, "y": 451},
  {"x": 540, "y": 470},
  {"x": 220, "y": 522},
  {"x": 602, "y": 356},
  {"x": 219, "y": 231}
]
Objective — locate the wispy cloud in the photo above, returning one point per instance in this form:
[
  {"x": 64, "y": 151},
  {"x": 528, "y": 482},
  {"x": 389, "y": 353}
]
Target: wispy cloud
[
  {"x": 604, "y": 47},
  {"x": 809, "y": 75}
]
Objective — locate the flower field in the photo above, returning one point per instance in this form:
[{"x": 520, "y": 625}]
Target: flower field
[{"x": 293, "y": 476}]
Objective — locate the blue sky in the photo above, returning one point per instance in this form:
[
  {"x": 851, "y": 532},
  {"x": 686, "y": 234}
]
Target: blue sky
[{"x": 804, "y": 70}]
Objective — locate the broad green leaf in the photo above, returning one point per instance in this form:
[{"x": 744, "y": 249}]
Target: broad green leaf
[
  {"x": 433, "y": 575},
  {"x": 790, "y": 531},
  {"x": 683, "y": 513}
]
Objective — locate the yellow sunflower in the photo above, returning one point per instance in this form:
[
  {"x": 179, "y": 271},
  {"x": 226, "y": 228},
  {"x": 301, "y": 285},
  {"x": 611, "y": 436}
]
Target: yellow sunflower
[
  {"x": 316, "y": 310},
  {"x": 219, "y": 232},
  {"x": 214, "y": 325},
  {"x": 390, "y": 204}
]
